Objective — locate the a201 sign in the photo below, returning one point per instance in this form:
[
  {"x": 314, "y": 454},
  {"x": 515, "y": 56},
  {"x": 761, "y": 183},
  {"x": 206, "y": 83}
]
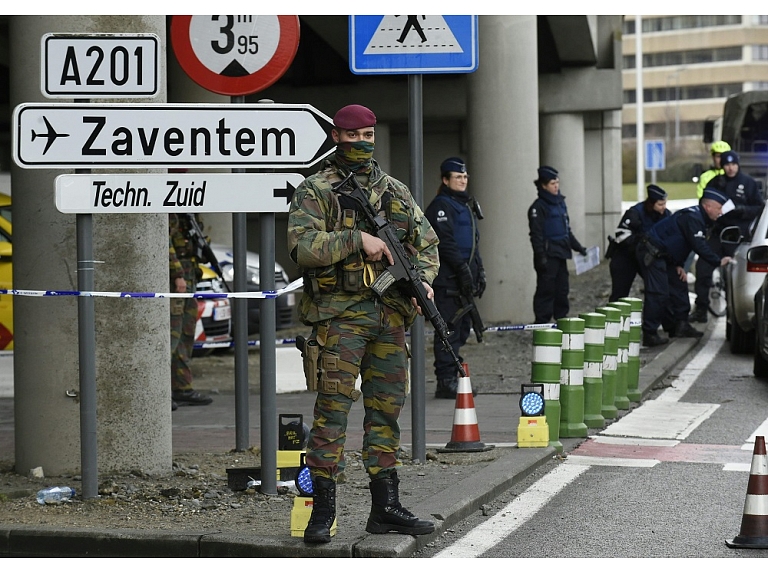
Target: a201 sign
[{"x": 99, "y": 65}]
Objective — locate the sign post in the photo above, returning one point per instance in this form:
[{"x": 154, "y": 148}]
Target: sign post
[
  {"x": 414, "y": 45},
  {"x": 237, "y": 56}
]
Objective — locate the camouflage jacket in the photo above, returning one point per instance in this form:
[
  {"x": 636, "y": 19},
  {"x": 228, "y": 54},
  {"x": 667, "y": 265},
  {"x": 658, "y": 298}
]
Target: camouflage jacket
[
  {"x": 325, "y": 240},
  {"x": 180, "y": 246}
]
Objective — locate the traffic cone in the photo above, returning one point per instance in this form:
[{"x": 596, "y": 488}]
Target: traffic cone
[
  {"x": 754, "y": 522},
  {"x": 465, "y": 436}
]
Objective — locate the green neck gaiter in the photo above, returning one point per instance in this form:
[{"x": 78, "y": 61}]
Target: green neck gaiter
[{"x": 357, "y": 156}]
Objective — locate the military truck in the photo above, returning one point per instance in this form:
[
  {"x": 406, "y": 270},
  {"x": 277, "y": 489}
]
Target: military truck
[{"x": 744, "y": 125}]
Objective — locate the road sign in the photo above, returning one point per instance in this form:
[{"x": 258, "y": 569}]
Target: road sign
[
  {"x": 413, "y": 44},
  {"x": 174, "y": 193},
  {"x": 654, "y": 155},
  {"x": 99, "y": 66},
  {"x": 235, "y": 55},
  {"x": 170, "y": 135}
]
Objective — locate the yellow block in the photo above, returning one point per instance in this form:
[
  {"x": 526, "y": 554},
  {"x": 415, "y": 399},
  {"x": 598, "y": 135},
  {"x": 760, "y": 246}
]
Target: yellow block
[
  {"x": 286, "y": 458},
  {"x": 302, "y": 509},
  {"x": 533, "y": 432}
]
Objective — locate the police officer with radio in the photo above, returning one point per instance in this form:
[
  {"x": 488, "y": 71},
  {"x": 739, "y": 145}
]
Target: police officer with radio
[
  {"x": 662, "y": 255},
  {"x": 454, "y": 214}
]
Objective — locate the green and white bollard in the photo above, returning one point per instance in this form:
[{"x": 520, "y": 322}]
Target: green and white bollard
[
  {"x": 610, "y": 360},
  {"x": 594, "y": 344},
  {"x": 635, "y": 339},
  {"x": 545, "y": 369},
  {"x": 572, "y": 378},
  {"x": 621, "y": 401}
]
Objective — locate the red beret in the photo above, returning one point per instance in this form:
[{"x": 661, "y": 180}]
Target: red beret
[{"x": 354, "y": 117}]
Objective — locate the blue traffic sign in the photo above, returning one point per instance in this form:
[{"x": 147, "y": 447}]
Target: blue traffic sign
[
  {"x": 654, "y": 155},
  {"x": 413, "y": 44}
]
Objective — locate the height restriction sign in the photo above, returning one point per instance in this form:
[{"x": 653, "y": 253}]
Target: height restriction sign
[{"x": 235, "y": 55}]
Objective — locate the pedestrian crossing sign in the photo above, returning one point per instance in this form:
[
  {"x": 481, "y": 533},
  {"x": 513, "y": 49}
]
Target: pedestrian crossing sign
[{"x": 413, "y": 44}]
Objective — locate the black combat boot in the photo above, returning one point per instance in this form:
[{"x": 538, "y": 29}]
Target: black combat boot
[
  {"x": 447, "y": 388},
  {"x": 699, "y": 315},
  {"x": 685, "y": 329},
  {"x": 388, "y": 515},
  {"x": 323, "y": 511},
  {"x": 652, "y": 339}
]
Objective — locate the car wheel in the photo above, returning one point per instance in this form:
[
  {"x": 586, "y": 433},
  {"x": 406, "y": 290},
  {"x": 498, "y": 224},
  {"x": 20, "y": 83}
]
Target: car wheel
[
  {"x": 760, "y": 367},
  {"x": 741, "y": 341}
]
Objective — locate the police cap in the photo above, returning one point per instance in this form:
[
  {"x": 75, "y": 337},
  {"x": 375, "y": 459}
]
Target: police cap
[
  {"x": 656, "y": 192},
  {"x": 713, "y": 194},
  {"x": 453, "y": 165}
]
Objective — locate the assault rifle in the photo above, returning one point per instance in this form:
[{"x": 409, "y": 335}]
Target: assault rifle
[
  {"x": 402, "y": 269},
  {"x": 468, "y": 307},
  {"x": 203, "y": 251}
]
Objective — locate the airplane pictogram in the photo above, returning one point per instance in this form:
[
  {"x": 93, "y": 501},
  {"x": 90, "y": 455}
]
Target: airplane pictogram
[{"x": 50, "y": 135}]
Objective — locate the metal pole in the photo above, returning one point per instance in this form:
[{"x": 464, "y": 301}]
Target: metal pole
[
  {"x": 418, "y": 390},
  {"x": 268, "y": 350},
  {"x": 239, "y": 247},
  {"x": 86, "y": 329},
  {"x": 87, "y": 352},
  {"x": 639, "y": 122}
]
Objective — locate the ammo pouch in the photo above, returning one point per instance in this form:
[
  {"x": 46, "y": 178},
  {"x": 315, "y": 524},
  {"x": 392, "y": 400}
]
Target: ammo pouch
[{"x": 310, "y": 353}]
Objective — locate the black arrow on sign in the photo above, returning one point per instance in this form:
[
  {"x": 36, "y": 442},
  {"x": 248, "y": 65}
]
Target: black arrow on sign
[{"x": 286, "y": 192}]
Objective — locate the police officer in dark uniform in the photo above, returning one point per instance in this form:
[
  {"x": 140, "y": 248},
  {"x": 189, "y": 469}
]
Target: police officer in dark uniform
[
  {"x": 453, "y": 214},
  {"x": 552, "y": 241},
  {"x": 742, "y": 190},
  {"x": 634, "y": 224},
  {"x": 663, "y": 253}
]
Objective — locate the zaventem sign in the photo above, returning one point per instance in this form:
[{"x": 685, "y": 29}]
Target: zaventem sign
[{"x": 169, "y": 135}]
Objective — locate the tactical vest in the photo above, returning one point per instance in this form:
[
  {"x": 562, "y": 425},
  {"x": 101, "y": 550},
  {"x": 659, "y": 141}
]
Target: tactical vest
[{"x": 352, "y": 274}]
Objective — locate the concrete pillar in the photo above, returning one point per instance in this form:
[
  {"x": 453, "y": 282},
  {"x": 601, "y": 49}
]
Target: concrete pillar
[
  {"x": 132, "y": 336},
  {"x": 504, "y": 139},
  {"x": 562, "y": 147}
]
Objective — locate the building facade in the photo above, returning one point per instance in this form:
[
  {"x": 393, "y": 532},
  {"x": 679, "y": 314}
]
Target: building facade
[{"x": 690, "y": 65}]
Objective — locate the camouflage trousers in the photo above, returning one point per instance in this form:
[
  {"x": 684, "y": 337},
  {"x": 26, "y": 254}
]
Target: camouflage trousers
[
  {"x": 371, "y": 336},
  {"x": 183, "y": 322}
]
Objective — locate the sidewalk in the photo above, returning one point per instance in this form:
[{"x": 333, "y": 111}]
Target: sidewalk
[{"x": 214, "y": 428}]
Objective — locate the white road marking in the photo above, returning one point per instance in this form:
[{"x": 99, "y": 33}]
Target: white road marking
[
  {"x": 697, "y": 365},
  {"x": 761, "y": 430},
  {"x": 590, "y": 460},
  {"x": 515, "y": 514},
  {"x": 662, "y": 420},
  {"x": 634, "y": 441}
]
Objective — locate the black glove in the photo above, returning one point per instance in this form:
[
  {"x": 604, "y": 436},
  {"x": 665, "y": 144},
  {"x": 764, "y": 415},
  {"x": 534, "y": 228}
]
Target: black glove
[
  {"x": 540, "y": 262},
  {"x": 582, "y": 251},
  {"x": 464, "y": 275},
  {"x": 738, "y": 212},
  {"x": 480, "y": 283}
]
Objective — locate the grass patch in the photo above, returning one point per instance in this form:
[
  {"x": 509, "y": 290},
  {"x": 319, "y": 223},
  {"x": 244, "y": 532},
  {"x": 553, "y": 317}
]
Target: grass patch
[{"x": 675, "y": 190}]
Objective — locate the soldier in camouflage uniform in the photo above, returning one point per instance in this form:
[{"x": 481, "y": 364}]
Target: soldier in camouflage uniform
[
  {"x": 357, "y": 332},
  {"x": 184, "y": 269}
]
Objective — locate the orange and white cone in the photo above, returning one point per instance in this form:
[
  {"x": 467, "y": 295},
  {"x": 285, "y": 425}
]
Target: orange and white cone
[
  {"x": 754, "y": 522},
  {"x": 465, "y": 436}
]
